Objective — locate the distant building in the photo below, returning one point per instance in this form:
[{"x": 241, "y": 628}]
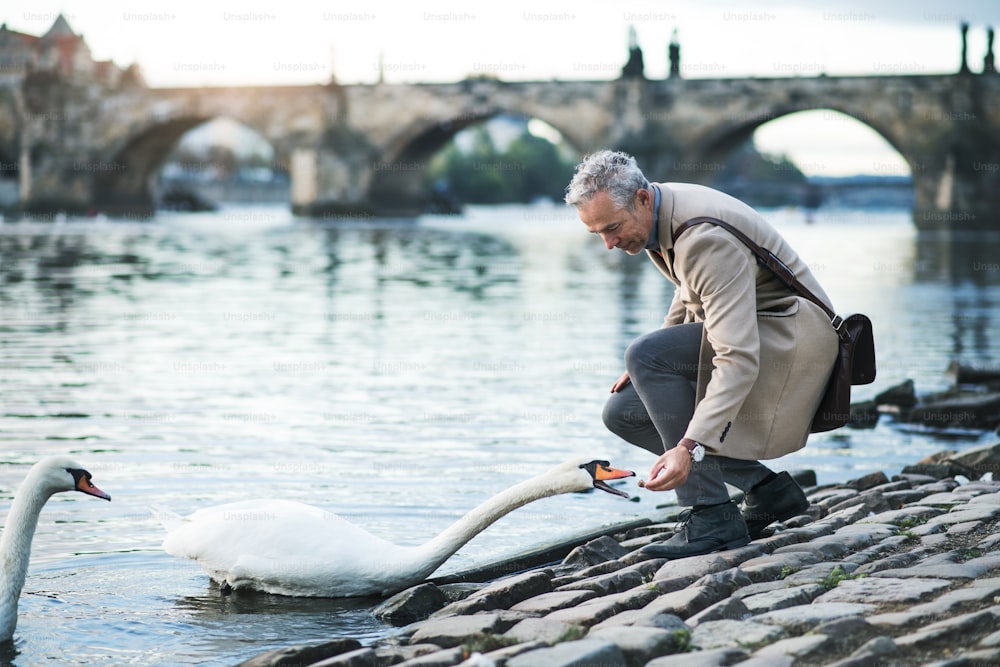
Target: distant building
[{"x": 62, "y": 52}]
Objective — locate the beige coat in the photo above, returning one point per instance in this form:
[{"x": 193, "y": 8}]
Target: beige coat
[{"x": 766, "y": 353}]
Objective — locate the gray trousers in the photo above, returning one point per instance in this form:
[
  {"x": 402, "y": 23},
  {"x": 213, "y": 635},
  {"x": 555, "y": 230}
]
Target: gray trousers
[{"x": 654, "y": 410}]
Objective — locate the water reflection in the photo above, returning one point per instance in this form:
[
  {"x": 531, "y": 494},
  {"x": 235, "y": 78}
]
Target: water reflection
[
  {"x": 473, "y": 264},
  {"x": 967, "y": 258},
  {"x": 283, "y": 618},
  {"x": 970, "y": 265},
  {"x": 630, "y": 302}
]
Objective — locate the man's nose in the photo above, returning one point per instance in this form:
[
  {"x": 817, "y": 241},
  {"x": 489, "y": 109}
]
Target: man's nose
[{"x": 610, "y": 242}]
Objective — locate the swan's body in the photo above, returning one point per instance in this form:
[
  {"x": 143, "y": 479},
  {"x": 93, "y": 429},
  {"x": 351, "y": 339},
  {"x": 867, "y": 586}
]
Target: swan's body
[
  {"x": 48, "y": 476},
  {"x": 288, "y": 548}
]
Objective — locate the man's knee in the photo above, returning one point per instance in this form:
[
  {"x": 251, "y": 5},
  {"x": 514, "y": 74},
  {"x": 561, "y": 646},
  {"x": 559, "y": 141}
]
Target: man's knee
[
  {"x": 623, "y": 416},
  {"x": 614, "y": 419},
  {"x": 637, "y": 355},
  {"x": 631, "y": 426}
]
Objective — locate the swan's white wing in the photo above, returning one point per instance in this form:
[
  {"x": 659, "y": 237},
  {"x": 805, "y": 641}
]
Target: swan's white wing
[{"x": 286, "y": 547}]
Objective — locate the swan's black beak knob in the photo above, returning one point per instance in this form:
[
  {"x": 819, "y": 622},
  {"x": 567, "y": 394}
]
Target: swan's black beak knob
[
  {"x": 602, "y": 472},
  {"x": 83, "y": 484}
]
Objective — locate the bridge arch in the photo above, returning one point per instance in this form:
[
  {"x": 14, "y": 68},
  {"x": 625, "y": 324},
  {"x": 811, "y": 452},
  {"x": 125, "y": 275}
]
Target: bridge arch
[
  {"x": 135, "y": 159},
  {"x": 821, "y": 158},
  {"x": 399, "y": 176},
  {"x": 840, "y": 144},
  {"x": 151, "y": 122},
  {"x": 126, "y": 185},
  {"x": 704, "y": 155}
]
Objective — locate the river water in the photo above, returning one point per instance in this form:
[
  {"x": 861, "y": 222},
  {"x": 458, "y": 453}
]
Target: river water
[{"x": 397, "y": 372}]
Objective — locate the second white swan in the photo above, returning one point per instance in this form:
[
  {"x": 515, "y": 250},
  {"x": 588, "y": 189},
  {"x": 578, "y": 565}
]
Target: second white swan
[
  {"x": 48, "y": 476},
  {"x": 288, "y": 548}
]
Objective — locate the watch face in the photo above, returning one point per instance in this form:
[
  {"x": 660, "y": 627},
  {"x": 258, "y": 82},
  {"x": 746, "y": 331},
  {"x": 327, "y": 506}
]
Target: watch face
[{"x": 698, "y": 453}]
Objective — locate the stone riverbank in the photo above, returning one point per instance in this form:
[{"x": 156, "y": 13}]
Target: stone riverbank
[{"x": 880, "y": 571}]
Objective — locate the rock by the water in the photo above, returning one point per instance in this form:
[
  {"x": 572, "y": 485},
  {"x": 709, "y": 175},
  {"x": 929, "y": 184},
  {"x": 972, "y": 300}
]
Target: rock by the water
[{"x": 413, "y": 604}]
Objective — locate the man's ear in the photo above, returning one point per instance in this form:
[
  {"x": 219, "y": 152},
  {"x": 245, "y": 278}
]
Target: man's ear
[{"x": 643, "y": 197}]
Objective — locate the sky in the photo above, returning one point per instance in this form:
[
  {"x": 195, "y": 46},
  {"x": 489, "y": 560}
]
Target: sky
[{"x": 256, "y": 42}]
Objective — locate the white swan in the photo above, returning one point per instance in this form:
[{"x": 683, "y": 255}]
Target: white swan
[
  {"x": 48, "y": 476},
  {"x": 288, "y": 548}
]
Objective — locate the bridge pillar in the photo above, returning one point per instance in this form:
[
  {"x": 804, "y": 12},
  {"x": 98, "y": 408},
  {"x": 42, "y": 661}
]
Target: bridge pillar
[
  {"x": 956, "y": 172},
  {"x": 53, "y": 181},
  {"x": 56, "y": 183},
  {"x": 302, "y": 170},
  {"x": 645, "y": 126},
  {"x": 329, "y": 184},
  {"x": 958, "y": 195},
  {"x": 123, "y": 192},
  {"x": 55, "y": 168}
]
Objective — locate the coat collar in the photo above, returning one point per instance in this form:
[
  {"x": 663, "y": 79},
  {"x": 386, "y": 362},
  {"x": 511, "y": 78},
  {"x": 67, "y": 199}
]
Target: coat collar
[
  {"x": 665, "y": 221},
  {"x": 664, "y": 258}
]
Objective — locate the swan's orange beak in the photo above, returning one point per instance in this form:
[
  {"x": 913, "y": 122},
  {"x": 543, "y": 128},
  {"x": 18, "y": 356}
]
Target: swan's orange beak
[
  {"x": 83, "y": 484},
  {"x": 603, "y": 472}
]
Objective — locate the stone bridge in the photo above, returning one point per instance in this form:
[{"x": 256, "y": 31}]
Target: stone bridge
[{"x": 363, "y": 149}]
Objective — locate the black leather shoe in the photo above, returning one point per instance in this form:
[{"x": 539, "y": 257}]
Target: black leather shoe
[
  {"x": 777, "y": 500},
  {"x": 708, "y": 529}
]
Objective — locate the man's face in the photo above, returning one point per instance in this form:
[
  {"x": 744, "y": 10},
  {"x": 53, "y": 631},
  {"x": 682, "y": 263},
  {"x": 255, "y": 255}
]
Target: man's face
[{"x": 619, "y": 227}]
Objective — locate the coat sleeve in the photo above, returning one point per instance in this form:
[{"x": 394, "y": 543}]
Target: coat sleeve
[
  {"x": 718, "y": 271},
  {"x": 678, "y": 313}
]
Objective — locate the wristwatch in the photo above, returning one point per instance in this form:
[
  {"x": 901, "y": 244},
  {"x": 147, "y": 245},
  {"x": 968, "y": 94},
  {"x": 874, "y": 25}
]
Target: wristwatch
[{"x": 697, "y": 451}]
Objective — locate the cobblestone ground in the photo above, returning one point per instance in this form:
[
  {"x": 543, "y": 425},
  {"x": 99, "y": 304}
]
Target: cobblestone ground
[{"x": 879, "y": 571}]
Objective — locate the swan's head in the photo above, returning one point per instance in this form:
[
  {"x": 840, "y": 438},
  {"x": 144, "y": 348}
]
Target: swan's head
[
  {"x": 594, "y": 475},
  {"x": 61, "y": 473}
]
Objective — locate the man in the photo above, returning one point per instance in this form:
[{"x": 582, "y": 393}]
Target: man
[{"x": 737, "y": 370}]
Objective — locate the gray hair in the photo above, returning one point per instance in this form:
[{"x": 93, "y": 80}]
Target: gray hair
[{"x": 612, "y": 171}]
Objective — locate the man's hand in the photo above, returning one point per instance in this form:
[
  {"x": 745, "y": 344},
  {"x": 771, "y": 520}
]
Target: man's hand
[
  {"x": 620, "y": 383},
  {"x": 670, "y": 470}
]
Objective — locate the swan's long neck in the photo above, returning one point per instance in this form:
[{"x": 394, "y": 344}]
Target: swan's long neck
[
  {"x": 438, "y": 550},
  {"x": 15, "y": 550}
]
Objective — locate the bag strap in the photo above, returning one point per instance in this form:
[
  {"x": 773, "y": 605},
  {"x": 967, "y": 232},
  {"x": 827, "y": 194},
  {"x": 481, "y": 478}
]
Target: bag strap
[{"x": 767, "y": 259}]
